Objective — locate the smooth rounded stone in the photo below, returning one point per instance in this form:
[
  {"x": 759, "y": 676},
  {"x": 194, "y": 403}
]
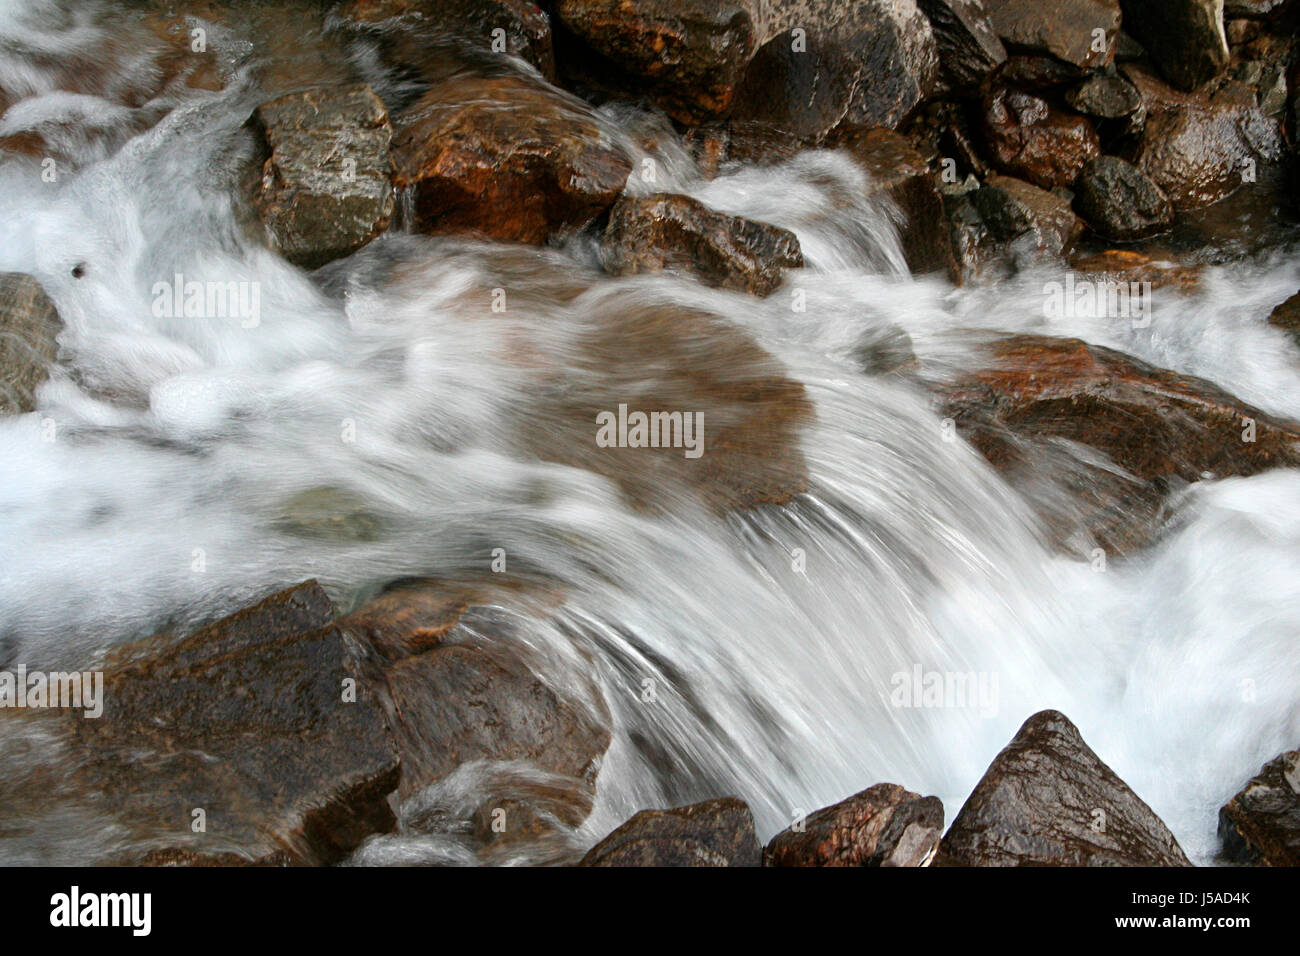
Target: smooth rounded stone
[
  {"x": 1019, "y": 212},
  {"x": 885, "y": 351},
  {"x": 967, "y": 42},
  {"x": 688, "y": 54},
  {"x": 1062, "y": 28},
  {"x": 678, "y": 233},
  {"x": 505, "y": 158},
  {"x": 326, "y": 187},
  {"x": 1184, "y": 37},
  {"x": 331, "y": 514},
  {"x": 1048, "y": 800},
  {"x": 1105, "y": 96},
  {"x": 828, "y": 65},
  {"x": 29, "y": 329},
  {"x": 1287, "y": 317},
  {"x": 1121, "y": 202},
  {"x": 1261, "y": 824},
  {"x": 1031, "y": 139},
  {"x": 713, "y": 833},
  {"x": 884, "y": 825}
]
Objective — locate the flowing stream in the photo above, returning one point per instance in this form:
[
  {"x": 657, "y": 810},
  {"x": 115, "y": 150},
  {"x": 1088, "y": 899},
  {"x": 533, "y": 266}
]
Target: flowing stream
[{"x": 756, "y": 653}]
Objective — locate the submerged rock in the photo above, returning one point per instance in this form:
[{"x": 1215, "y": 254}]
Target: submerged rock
[
  {"x": 884, "y": 825},
  {"x": 1121, "y": 202},
  {"x": 1261, "y": 824},
  {"x": 505, "y": 158},
  {"x": 712, "y": 833},
  {"x": 1048, "y": 800},
  {"x": 326, "y": 188},
  {"x": 653, "y": 233},
  {"x": 1064, "y": 28},
  {"x": 29, "y": 328},
  {"x": 1184, "y": 37}
]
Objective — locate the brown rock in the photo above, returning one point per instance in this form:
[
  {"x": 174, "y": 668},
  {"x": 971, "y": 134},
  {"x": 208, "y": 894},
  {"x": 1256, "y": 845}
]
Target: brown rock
[
  {"x": 967, "y": 41},
  {"x": 1261, "y": 824},
  {"x": 1037, "y": 222},
  {"x": 884, "y": 825},
  {"x": 1121, "y": 202},
  {"x": 1287, "y": 317},
  {"x": 1063, "y": 28},
  {"x": 1129, "y": 265},
  {"x": 653, "y": 233},
  {"x": 1184, "y": 37},
  {"x": 327, "y": 187},
  {"x": 1048, "y": 800},
  {"x": 29, "y": 327},
  {"x": 1031, "y": 139},
  {"x": 712, "y": 833},
  {"x": 505, "y": 158}
]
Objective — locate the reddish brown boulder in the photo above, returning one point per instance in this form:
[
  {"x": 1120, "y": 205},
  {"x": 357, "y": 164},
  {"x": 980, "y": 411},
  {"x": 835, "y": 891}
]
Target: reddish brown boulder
[
  {"x": 1064, "y": 28},
  {"x": 1048, "y": 800},
  {"x": 505, "y": 158},
  {"x": 1261, "y": 824},
  {"x": 884, "y": 825},
  {"x": 713, "y": 833},
  {"x": 1031, "y": 139}
]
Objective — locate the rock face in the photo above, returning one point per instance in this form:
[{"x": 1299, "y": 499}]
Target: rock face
[
  {"x": 1121, "y": 202},
  {"x": 653, "y": 233},
  {"x": 504, "y": 158},
  {"x": 1048, "y": 800},
  {"x": 712, "y": 833},
  {"x": 29, "y": 326},
  {"x": 251, "y": 722},
  {"x": 831, "y": 65},
  {"x": 967, "y": 42},
  {"x": 327, "y": 187},
  {"x": 690, "y": 54},
  {"x": 898, "y": 170},
  {"x": 1064, "y": 29},
  {"x": 884, "y": 825},
  {"x": 1031, "y": 220},
  {"x": 1033, "y": 140},
  {"x": 1287, "y": 317},
  {"x": 1261, "y": 824},
  {"x": 1184, "y": 37},
  {"x": 1161, "y": 428}
]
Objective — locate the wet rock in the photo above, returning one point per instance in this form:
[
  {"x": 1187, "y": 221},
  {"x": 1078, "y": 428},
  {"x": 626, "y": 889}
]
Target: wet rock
[
  {"x": 1261, "y": 824},
  {"x": 712, "y": 833},
  {"x": 1184, "y": 37},
  {"x": 1287, "y": 317},
  {"x": 664, "y": 231},
  {"x": 973, "y": 244},
  {"x": 327, "y": 187},
  {"x": 1105, "y": 96},
  {"x": 831, "y": 65},
  {"x": 689, "y": 54},
  {"x": 1161, "y": 429},
  {"x": 261, "y": 722},
  {"x": 1033, "y": 140},
  {"x": 1048, "y": 800},
  {"x": 968, "y": 44},
  {"x": 1128, "y": 265},
  {"x": 884, "y": 825},
  {"x": 902, "y": 173},
  {"x": 514, "y": 27},
  {"x": 1121, "y": 202},
  {"x": 505, "y": 158},
  {"x": 1063, "y": 28},
  {"x": 29, "y": 327},
  {"x": 1034, "y": 221}
]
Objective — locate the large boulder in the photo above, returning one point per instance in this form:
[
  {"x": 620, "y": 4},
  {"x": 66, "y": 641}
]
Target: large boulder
[
  {"x": 1121, "y": 202},
  {"x": 967, "y": 42},
  {"x": 1261, "y": 824},
  {"x": 688, "y": 54},
  {"x": 712, "y": 833},
  {"x": 29, "y": 328},
  {"x": 326, "y": 186},
  {"x": 1048, "y": 800},
  {"x": 884, "y": 825},
  {"x": 505, "y": 158},
  {"x": 260, "y": 727},
  {"x": 1162, "y": 429},
  {"x": 1184, "y": 37},
  {"x": 1030, "y": 138},
  {"x": 1065, "y": 29},
  {"x": 831, "y": 65},
  {"x": 666, "y": 231}
]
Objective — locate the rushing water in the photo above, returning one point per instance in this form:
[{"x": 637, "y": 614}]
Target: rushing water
[{"x": 772, "y": 638}]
